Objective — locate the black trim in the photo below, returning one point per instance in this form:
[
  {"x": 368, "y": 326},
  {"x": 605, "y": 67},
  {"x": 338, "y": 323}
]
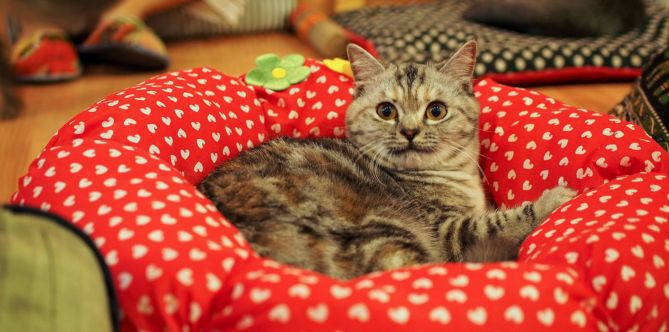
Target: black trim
[{"x": 111, "y": 294}]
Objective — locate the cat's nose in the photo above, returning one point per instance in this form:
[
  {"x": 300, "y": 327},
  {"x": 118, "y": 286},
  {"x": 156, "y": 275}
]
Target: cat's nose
[{"x": 410, "y": 134}]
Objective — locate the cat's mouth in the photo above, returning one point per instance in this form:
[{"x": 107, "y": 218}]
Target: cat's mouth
[{"x": 409, "y": 148}]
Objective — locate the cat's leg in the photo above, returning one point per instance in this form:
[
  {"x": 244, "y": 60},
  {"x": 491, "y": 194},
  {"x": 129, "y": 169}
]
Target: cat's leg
[
  {"x": 387, "y": 243},
  {"x": 497, "y": 235},
  {"x": 394, "y": 254}
]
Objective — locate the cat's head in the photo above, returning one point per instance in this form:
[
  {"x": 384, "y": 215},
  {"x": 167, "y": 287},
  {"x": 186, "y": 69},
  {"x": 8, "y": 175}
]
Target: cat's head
[{"x": 413, "y": 116}]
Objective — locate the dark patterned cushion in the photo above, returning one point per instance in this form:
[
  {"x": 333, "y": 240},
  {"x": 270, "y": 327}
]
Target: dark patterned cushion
[
  {"x": 431, "y": 32},
  {"x": 648, "y": 103}
]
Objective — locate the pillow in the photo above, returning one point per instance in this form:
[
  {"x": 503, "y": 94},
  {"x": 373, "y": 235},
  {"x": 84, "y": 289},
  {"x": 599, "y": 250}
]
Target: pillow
[
  {"x": 559, "y": 19},
  {"x": 647, "y": 104},
  {"x": 431, "y": 32},
  {"x": 124, "y": 171}
]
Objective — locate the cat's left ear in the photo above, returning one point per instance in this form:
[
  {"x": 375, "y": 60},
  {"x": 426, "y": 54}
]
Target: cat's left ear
[
  {"x": 461, "y": 65},
  {"x": 363, "y": 64}
]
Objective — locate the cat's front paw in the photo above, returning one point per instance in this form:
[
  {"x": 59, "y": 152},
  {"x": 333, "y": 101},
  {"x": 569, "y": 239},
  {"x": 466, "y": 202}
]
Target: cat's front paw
[{"x": 552, "y": 199}]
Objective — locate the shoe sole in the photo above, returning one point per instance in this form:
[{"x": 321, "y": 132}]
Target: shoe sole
[
  {"x": 48, "y": 78},
  {"x": 124, "y": 55}
]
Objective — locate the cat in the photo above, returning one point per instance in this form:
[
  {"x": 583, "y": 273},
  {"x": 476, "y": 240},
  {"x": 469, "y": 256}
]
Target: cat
[
  {"x": 403, "y": 189},
  {"x": 564, "y": 18}
]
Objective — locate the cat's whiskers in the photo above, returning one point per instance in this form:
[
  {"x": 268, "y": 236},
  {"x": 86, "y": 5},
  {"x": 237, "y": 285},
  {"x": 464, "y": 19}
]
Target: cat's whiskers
[
  {"x": 365, "y": 149},
  {"x": 372, "y": 151},
  {"x": 374, "y": 157},
  {"x": 486, "y": 131},
  {"x": 463, "y": 150}
]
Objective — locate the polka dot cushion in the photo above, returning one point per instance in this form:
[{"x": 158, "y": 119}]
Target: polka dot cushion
[
  {"x": 433, "y": 31},
  {"x": 124, "y": 171}
]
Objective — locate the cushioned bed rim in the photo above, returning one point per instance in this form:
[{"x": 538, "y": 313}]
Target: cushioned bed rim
[{"x": 566, "y": 75}]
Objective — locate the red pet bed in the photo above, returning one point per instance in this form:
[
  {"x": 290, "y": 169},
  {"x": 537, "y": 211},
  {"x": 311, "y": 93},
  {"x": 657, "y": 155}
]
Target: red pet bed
[{"x": 124, "y": 171}]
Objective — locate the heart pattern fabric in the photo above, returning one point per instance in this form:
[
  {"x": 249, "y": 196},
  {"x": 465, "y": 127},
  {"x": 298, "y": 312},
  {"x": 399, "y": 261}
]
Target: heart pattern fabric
[{"x": 124, "y": 171}]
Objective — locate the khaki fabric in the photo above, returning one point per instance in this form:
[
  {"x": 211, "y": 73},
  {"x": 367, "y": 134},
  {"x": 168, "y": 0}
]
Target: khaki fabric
[{"x": 50, "y": 279}]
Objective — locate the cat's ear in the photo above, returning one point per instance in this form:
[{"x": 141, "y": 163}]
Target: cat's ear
[
  {"x": 461, "y": 65},
  {"x": 363, "y": 64}
]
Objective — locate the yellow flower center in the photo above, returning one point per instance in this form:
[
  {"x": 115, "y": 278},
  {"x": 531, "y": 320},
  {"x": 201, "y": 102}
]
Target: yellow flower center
[{"x": 279, "y": 73}]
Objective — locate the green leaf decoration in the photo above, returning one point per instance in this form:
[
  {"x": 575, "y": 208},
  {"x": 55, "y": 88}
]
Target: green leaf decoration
[
  {"x": 291, "y": 60},
  {"x": 264, "y": 74},
  {"x": 277, "y": 84},
  {"x": 269, "y": 60},
  {"x": 257, "y": 76},
  {"x": 299, "y": 74}
]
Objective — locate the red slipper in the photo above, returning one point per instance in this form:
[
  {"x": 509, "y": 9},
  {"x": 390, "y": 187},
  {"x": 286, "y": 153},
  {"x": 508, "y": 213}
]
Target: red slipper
[
  {"x": 47, "y": 56},
  {"x": 127, "y": 42}
]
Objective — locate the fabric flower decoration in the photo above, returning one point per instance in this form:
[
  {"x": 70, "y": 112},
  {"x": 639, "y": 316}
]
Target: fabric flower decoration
[
  {"x": 275, "y": 73},
  {"x": 339, "y": 65}
]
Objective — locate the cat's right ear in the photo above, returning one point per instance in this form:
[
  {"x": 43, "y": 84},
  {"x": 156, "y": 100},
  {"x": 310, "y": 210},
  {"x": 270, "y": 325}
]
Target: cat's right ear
[
  {"x": 460, "y": 66},
  {"x": 363, "y": 64}
]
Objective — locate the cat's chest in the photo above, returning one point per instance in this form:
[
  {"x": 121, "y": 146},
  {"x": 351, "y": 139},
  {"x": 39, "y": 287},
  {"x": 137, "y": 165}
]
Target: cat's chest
[{"x": 460, "y": 191}]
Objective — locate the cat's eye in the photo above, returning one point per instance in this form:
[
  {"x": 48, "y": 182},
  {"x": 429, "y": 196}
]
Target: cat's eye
[
  {"x": 386, "y": 111},
  {"x": 436, "y": 110}
]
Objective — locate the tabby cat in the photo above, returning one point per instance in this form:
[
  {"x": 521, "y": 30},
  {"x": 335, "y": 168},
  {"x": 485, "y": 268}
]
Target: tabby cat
[{"x": 403, "y": 189}]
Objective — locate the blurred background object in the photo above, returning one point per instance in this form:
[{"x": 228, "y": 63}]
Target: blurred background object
[
  {"x": 218, "y": 17},
  {"x": 125, "y": 33},
  {"x": 10, "y": 104},
  {"x": 74, "y": 16},
  {"x": 647, "y": 104},
  {"x": 431, "y": 31},
  {"x": 560, "y": 18},
  {"x": 312, "y": 25},
  {"x": 45, "y": 47}
]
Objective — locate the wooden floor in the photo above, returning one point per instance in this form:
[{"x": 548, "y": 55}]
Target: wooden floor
[{"x": 47, "y": 107}]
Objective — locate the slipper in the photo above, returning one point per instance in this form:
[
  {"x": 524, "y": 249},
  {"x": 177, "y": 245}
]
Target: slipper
[
  {"x": 46, "y": 56},
  {"x": 127, "y": 42}
]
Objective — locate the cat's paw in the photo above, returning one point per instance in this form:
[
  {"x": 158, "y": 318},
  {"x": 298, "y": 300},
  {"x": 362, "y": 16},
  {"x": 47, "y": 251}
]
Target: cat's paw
[{"x": 552, "y": 199}]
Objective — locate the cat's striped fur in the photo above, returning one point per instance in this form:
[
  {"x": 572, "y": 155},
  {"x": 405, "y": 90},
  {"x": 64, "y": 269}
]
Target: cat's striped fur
[{"x": 383, "y": 198}]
